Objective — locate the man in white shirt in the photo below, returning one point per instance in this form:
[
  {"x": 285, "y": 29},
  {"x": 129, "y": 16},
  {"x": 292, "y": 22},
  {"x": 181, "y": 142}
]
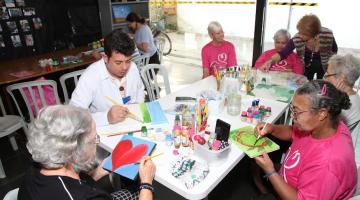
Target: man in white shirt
[{"x": 113, "y": 76}]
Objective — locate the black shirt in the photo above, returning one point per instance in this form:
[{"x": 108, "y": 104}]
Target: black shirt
[{"x": 40, "y": 187}]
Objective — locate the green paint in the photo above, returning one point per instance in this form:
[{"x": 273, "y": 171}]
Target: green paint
[
  {"x": 145, "y": 113},
  {"x": 247, "y": 137}
]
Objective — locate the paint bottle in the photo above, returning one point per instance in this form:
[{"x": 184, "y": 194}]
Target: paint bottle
[
  {"x": 144, "y": 131},
  {"x": 185, "y": 138},
  {"x": 177, "y": 120},
  {"x": 268, "y": 111},
  {"x": 243, "y": 116},
  {"x": 177, "y": 136},
  {"x": 250, "y": 118}
]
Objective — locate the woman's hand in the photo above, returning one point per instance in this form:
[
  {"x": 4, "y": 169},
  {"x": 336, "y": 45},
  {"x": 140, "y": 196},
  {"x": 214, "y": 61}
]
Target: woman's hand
[
  {"x": 266, "y": 66},
  {"x": 147, "y": 171},
  {"x": 265, "y": 162},
  {"x": 261, "y": 130},
  {"x": 99, "y": 172}
]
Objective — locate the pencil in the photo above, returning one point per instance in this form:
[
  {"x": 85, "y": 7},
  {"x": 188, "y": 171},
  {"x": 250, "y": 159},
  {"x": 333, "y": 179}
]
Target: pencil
[{"x": 130, "y": 114}]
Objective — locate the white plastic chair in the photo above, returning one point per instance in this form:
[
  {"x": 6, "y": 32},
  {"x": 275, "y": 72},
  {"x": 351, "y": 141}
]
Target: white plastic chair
[
  {"x": 18, "y": 89},
  {"x": 160, "y": 44},
  {"x": 151, "y": 80},
  {"x": 141, "y": 61},
  {"x": 12, "y": 194},
  {"x": 357, "y": 85},
  {"x": 9, "y": 124},
  {"x": 66, "y": 78}
]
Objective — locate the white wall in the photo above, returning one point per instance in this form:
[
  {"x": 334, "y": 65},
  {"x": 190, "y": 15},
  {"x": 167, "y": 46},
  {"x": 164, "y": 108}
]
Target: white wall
[{"x": 238, "y": 20}]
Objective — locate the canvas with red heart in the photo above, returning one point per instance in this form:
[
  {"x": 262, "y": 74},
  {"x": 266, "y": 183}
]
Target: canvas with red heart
[{"x": 123, "y": 160}]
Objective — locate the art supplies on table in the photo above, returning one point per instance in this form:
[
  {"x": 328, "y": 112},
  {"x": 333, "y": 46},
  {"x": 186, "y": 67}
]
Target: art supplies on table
[
  {"x": 127, "y": 153},
  {"x": 189, "y": 171},
  {"x": 202, "y": 114},
  {"x": 255, "y": 113},
  {"x": 152, "y": 111},
  {"x": 245, "y": 139}
]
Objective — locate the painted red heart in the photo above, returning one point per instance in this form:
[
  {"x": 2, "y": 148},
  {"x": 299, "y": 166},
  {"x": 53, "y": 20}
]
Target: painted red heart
[{"x": 124, "y": 153}]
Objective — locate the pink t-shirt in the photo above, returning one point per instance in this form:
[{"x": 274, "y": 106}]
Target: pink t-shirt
[
  {"x": 222, "y": 56},
  {"x": 291, "y": 63},
  {"x": 321, "y": 168}
]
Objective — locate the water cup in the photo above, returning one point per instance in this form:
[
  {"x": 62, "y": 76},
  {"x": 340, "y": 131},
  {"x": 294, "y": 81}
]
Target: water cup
[{"x": 234, "y": 104}]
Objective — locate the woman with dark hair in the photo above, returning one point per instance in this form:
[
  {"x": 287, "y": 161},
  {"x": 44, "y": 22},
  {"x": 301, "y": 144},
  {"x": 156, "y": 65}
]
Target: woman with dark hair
[
  {"x": 313, "y": 43},
  {"x": 62, "y": 140},
  {"x": 143, "y": 37},
  {"x": 320, "y": 161}
]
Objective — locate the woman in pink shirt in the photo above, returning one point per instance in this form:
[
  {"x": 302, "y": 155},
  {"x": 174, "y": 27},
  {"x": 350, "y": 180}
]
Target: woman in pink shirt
[
  {"x": 292, "y": 63},
  {"x": 218, "y": 53},
  {"x": 320, "y": 162}
]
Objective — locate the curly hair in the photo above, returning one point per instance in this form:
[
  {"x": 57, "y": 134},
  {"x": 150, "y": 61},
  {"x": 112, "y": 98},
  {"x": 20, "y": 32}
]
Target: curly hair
[
  {"x": 333, "y": 100},
  {"x": 120, "y": 42},
  {"x": 309, "y": 24},
  {"x": 59, "y": 136}
]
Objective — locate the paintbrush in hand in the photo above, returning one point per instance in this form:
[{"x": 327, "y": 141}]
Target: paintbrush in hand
[{"x": 259, "y": 136}]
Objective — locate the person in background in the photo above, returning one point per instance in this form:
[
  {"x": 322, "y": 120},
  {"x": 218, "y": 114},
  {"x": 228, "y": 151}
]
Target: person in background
[
  {"x": 320, "y": 161},
  {"x": 290, "y": 64},
  {"x": 113, "y": 76},
  {"x": 218, "y": 52},
  {"x": 343, "y": 71},
  {"x": 62, "y": 140},
  {"x": 143, "y": 36},
  {"x": 313, "y": 43}
]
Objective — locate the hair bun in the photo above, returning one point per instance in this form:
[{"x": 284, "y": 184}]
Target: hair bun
[{"x": 344, "y": 101}]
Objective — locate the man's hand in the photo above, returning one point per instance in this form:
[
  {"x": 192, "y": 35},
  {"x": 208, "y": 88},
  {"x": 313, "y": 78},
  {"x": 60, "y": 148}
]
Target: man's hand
[{"x": 117, "y": 114}]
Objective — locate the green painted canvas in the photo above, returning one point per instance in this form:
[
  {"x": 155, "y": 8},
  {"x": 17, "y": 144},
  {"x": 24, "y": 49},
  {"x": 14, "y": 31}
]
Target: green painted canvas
[
  {"x": 276, "y": 92},
  {"x": 245, "y": 139}
]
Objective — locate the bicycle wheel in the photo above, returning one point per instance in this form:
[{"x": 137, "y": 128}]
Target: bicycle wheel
[{"x": 168, "y": 44}]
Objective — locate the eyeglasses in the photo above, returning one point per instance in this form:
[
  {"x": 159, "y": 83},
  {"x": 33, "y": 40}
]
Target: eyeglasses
[
  {"x": 295, "y": 113},
  {"x": 97, "y": 140},
  {"x": 326, "y": 75}
]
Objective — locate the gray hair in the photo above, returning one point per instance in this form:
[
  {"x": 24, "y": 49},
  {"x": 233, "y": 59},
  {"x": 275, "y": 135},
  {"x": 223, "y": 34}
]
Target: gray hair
[
  {"x": 282, "y": 33},
  {"x": 59, "y": 136},
  {"x": 213, "y": 26},
  {"x": 323, "y": 94},
  {"x": 347, "y": 65}
]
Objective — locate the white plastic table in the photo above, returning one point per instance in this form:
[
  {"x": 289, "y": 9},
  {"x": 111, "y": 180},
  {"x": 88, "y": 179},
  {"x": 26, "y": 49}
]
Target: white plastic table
[{"x": 217, "y": 173}]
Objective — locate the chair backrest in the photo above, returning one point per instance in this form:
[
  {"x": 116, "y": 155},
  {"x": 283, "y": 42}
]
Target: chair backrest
[
  {"x": 72, "y": 79},
  {"x": 160, "y": 44},
  {"x": 141, "y": 60},
  {"x": 151, "y": 81},
  {"x": 12, "y": 194},
  {"x": 357, "y": 85},
  {"x": 35, "y": 95},
  {"x": 2, "y": 108}
]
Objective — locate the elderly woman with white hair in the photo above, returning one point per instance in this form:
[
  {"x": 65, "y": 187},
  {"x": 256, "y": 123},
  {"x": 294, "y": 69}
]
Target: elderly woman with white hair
[
  {"x": 62, "y": 140},
  {"x": 218, "y": 53},
  {"x": 290, "y": 64},
  {"x": 343, "y": 71}
]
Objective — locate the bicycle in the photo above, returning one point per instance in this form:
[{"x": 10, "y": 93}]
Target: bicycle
[{"x": 157, "y": 31}]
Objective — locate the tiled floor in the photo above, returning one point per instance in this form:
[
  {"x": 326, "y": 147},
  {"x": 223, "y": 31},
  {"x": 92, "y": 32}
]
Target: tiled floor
[{"x": 184, "y": 67}]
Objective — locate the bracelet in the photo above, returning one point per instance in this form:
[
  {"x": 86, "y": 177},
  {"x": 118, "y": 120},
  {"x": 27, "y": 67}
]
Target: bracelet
[
  {"x": 267, "y": 175},
  {"x": 146, "y": 186}
]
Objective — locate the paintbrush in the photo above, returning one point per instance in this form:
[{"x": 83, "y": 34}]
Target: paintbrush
[
  {"x": 130, "y": 114},
  {"x": 151, "y": 157},
  {"x": 259, "y": 136}
]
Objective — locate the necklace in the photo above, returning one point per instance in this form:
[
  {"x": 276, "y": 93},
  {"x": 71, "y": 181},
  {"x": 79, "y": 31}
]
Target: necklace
[{"x": 311, "y": 59}]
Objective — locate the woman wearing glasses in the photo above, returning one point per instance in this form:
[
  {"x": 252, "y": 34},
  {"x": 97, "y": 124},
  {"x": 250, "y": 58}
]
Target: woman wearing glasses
[
  {"x": 313, "y": 43},
  {"x": 343, "y": 71},
  {"x": 62, "y": 140},
  {"x": 320, "y": 161}
]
